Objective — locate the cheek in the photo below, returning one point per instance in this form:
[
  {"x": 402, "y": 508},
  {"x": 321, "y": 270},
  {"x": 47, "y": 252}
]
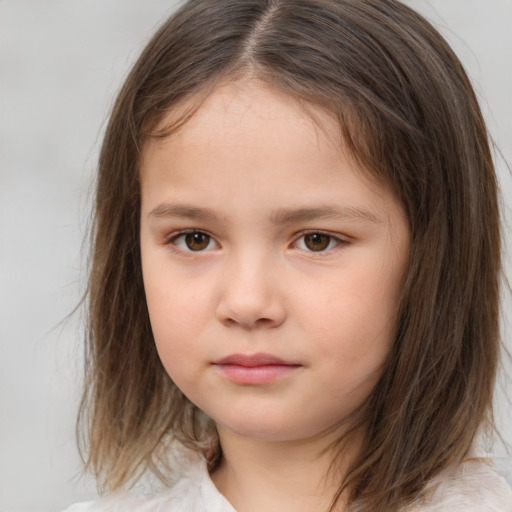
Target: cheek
[
  {"x": 362, "y": 300},
  {"x": 352, "y": 321},
  {"x": 176, "y": 332},
  {"x": 177, "y": 313}
]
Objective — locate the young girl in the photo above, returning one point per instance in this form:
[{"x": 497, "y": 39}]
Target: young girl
[{"x": 295, "y": 269}]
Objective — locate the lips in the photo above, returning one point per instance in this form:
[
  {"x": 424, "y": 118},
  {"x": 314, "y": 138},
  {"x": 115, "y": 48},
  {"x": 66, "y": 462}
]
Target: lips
[
  {"x": 253, "y": 360},
  {"x": 254, "y": 369}
]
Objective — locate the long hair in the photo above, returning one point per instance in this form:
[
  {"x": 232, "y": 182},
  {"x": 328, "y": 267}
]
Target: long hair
[{"x": 409, "y": 116}]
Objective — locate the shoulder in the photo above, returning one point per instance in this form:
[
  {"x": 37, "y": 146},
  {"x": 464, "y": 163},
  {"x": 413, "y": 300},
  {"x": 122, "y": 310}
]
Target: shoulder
[
  {"x": 193, "y": 492},
  {"x": 121, "y": 502},
  {"x": 180, "y": 498},
  {"x": 473, "y": 486}
]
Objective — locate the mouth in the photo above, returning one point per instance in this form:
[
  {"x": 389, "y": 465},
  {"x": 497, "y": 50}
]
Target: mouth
[{"x": 255, "y": 369}]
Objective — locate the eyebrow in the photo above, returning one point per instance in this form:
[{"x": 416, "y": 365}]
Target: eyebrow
[
  {"x": 183, "y": 211},
  {"x": 289, "y": 216},
  {"x": 279, "y": 216}
]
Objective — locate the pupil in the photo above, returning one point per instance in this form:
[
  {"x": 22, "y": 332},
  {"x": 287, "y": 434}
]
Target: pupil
[
  {"x": 317, "y": 242},
  {"x": 197, "y": 241}
]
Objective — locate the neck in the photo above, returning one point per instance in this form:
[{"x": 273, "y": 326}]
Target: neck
[{"x": 257, "y": 475}]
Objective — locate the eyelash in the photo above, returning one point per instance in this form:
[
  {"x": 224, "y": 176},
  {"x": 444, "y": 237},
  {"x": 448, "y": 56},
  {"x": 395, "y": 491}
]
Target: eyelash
[
  {"x": 332, "y": 239},
  {"x": 182, "y": 234}
]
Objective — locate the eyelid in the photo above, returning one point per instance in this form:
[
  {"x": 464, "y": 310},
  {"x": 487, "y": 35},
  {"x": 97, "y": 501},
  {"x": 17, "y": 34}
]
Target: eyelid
[
  {"x": 171, "y": 238},
  {"x": 340, "y": 239}
]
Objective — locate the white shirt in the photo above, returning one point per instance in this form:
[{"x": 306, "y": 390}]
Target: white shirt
[
  {"x": 195, "y": 492},
  {"x": 473, "y": 487}
]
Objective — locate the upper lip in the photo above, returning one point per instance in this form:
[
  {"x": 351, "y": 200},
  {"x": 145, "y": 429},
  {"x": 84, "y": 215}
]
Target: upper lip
[{"x": 251, "y": 360}]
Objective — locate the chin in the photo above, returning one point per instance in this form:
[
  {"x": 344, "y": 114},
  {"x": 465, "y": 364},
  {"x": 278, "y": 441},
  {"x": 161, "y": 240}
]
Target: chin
[{"x": 266, "y": 431}]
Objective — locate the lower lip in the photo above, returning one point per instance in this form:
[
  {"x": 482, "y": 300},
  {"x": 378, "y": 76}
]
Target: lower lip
[{"x": 253, "y": 375}]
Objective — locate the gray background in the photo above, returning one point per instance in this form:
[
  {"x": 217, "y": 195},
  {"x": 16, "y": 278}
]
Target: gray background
[{"x": 61, "y": 63}]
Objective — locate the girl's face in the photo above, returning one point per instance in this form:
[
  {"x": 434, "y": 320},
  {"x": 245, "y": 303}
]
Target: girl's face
[{"x": 272, "y": 266}]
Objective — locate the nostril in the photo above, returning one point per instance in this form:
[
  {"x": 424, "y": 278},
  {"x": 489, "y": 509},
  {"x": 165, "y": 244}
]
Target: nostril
[
  {"x": 250, "y": 303},
  {"x": 264, "y": 321},
  {"x": 251, "y": 324}
]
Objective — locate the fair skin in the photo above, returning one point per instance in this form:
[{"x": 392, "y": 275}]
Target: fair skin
[{"x": 272, "y": 269}]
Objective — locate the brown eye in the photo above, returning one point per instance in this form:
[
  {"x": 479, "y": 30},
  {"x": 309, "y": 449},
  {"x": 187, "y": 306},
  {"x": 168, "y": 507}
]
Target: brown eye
[
  {"x": 197, "y": 241},
  {"x": 317, "y": 241},
  {"x": 193, "y": 241}
]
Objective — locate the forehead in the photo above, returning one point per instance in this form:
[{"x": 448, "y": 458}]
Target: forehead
[
  {"x": 246, "y": 102},
  {"x": 242, "y": 127},
  {"x": 249, "y": 112},
  {"x": 254, "y": 147}
]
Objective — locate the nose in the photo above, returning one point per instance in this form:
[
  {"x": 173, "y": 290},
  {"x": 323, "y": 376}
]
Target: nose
[{"x": 251, "y": 295}]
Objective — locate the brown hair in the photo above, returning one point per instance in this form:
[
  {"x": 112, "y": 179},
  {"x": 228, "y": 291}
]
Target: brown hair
[{"x": 408, "y": 113}]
